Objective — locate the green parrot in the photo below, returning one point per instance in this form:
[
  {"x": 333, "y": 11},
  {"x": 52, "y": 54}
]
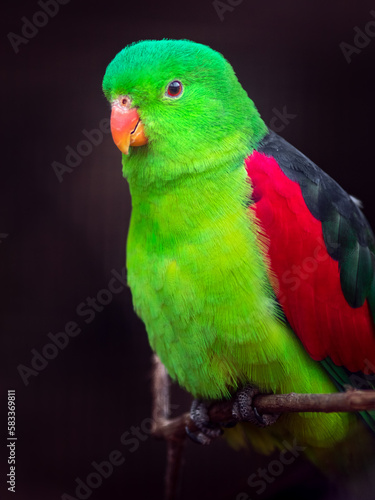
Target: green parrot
[{"x": 252, "y": 270}]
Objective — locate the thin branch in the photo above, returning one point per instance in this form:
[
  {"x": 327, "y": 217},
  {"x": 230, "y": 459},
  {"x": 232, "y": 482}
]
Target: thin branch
[
  {"x": 175, "y": 441},
  {"x": 160, "y": 391},
  {"x": 221, "y": 411}
]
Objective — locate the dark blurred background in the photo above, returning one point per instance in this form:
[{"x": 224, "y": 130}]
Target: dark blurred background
[{"x": 60, "y": 242}]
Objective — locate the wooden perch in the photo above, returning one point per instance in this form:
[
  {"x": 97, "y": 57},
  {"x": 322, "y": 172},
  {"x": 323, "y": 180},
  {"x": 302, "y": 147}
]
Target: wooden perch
[{"x": 174, "y": 430}]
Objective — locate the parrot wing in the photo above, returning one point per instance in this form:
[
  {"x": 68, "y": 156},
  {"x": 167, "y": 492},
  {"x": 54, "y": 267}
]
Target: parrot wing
[{"x": 321, "y": 251}]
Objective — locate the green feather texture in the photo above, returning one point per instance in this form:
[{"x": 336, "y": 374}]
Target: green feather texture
[
  {"x": 196, "y": 257},
  {"x": 212, "y": 110}
]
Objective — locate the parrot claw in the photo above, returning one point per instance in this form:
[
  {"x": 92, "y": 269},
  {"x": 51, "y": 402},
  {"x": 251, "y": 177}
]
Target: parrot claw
[
  {"x": 244, "y": 411},
  {"x": 207, "y": 430},
  {"x": 199, "y": 438}
]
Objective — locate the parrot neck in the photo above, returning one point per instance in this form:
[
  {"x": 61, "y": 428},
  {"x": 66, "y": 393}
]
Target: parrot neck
[
  {"x": 195, "y": 202},
  {"x": 159, "y": 168}
]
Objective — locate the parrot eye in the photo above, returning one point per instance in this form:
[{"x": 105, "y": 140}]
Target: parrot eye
[{"x": 174, "y": 89}]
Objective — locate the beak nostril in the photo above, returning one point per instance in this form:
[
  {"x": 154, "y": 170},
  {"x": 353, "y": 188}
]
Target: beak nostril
[{"x": 124, "y": 101}]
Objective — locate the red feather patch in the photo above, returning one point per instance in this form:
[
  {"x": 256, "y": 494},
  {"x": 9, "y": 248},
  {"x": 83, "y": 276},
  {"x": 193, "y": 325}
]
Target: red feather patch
[{"x": 309, "y": 288}]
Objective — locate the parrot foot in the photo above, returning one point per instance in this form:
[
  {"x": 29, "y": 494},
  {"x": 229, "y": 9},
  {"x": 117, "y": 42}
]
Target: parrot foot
[
  {"x": 244, "y": 411},
  {"x": 207, "y": 430}
]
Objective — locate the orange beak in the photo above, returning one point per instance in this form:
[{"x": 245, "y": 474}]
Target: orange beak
[{"x": 127, "y": 128}]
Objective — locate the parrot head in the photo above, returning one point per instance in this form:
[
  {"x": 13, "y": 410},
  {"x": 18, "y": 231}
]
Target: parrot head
[{"x": 178, "y": 108}]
